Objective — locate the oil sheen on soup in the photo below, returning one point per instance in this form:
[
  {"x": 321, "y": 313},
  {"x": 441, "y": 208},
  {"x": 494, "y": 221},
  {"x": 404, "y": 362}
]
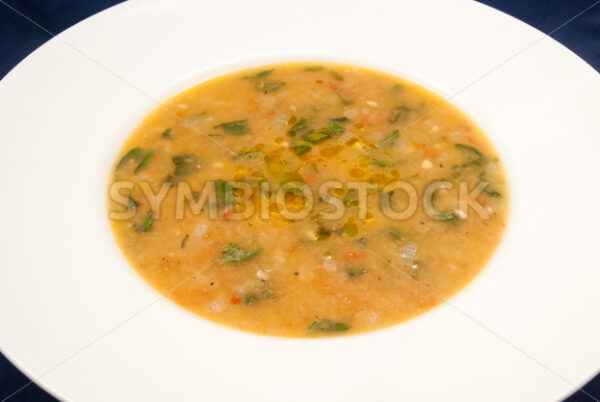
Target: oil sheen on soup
[{"x": 307, "y": 199}]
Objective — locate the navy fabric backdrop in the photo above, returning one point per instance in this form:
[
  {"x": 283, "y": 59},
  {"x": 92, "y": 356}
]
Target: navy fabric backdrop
[{"x": 19, "y": 37}]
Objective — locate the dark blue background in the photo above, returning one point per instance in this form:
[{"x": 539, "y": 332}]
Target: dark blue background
[{"x": 19, "y": 37}]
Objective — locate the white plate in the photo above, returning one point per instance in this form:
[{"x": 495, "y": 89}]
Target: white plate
[{"x": 78, "y": 319}]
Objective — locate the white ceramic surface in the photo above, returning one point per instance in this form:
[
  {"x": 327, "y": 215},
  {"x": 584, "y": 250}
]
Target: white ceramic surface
[{"x": 77, "y": 318}]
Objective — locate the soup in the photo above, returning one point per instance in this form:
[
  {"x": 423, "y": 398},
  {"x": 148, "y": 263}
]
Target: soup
[{"x": 308, "y": 199}]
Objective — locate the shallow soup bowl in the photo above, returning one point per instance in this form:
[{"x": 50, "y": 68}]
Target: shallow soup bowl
[{"x": 81, "y": 323}]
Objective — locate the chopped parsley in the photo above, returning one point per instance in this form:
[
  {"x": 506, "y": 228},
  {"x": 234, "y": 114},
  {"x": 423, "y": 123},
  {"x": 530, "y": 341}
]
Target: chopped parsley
[
  {"x": 186, "y": 164},
  {"x": 340, "y": 120},
  {"x": 336, "y": 128},
  {"x": 448, "y": 217},
  {"x": 327, "y": 325},
  {"x": 344, "y": 101},
  {"x": 133, "y": 154},
  {"x": 145, "y": 226},
  {"x": 397, "y": 235},
  {"x": 237, "y": 127},
  {"x": 381, "y": 163},
  {"x": 390, "y": 137},
  {"x": 254, "y": 154},
  {"x": 269, "y": 86},
  {"x": 336, "y": 75},
  {"x": 234, "y": 253},
  {"x": 302, "y": 146},
  {"x": 399, "y": 113},
  {"x": 354, "y": 272},
  {"x": 132, "y": 203},
  {"x": 469, "y": 149},
  {"x": 185, "y": 239},
  {"x": 300, "y": 125},
  {"x": 145, "y": 159},
  {"x": 317, "y": 135}
]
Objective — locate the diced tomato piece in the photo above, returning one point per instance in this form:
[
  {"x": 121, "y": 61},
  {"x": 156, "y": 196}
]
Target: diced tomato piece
[
  {"x": 429, "y": 301},
  {"x": 310, "y": 178},
  {"x": 375, "y": 117},
  {"x": 235, "y": 300},
  {"x": 353, "y": 255},
  {"x": 321, "y": 281},
  {"x": 252, "y": 105},
  {"x": 430, "y": 152}
]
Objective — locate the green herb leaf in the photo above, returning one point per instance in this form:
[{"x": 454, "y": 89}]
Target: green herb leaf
[
  {"x": 468, "y": 148},
  {"x": 397, "y": 87},
  {"x": 327, "y": 325},
  {"x": 145, "y": 159},
  {"x": 263, "y": 85},
  {"x": 237, "y": 127},
  {"x": 316, "y": 136},
  {"x": 314, "y": 68},
  {"x": 135, "y": 154},
  {"x": 147, "y": 225},
  {"x": 261, "y": 74},
  {"x": 336, "y": 75},
  {"x": 234, "y": 253},
  {"x": 399, "y": 113},
  {"x": 264, "y": 73},
  {"x": 224, "y": 193},
  {"x": 170, "y": 180},
  {"x": 168, "y": 133},
  {"x": 254, "y": 298},
  {"x": 301, "y": 147},
  {"x": 186, "y": 164},
  {"x": 185, "y": 239},
  {"x": 251, "y": 254},
  {"x": 390, "y": 137},
  {"x": 269, "y": 86},
  {"x": 322, "y": 234},
  {"x": 354, "y": 272},
  {"x": 344, "y": 101},
  {"x": 381, "y": 162},
  {"x": 132, "y": 203},
  {"x": 336, "y": 128},
  {"x": 300, "y": 125},
  {"x": 448, "y": 217},
  {"x": 254, "y": 154},
  {"x": 341, "y": 120},
  {"x": 397, "y": 235},
  {"x": 492, "y": 193}
]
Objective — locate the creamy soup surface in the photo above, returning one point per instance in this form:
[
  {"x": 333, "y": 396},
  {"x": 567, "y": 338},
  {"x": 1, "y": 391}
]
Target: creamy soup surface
[{"x": 270, "y": 137}]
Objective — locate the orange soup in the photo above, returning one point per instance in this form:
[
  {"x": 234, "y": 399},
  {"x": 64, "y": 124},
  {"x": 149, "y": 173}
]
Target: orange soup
[{"x": 308, "y": 199}]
